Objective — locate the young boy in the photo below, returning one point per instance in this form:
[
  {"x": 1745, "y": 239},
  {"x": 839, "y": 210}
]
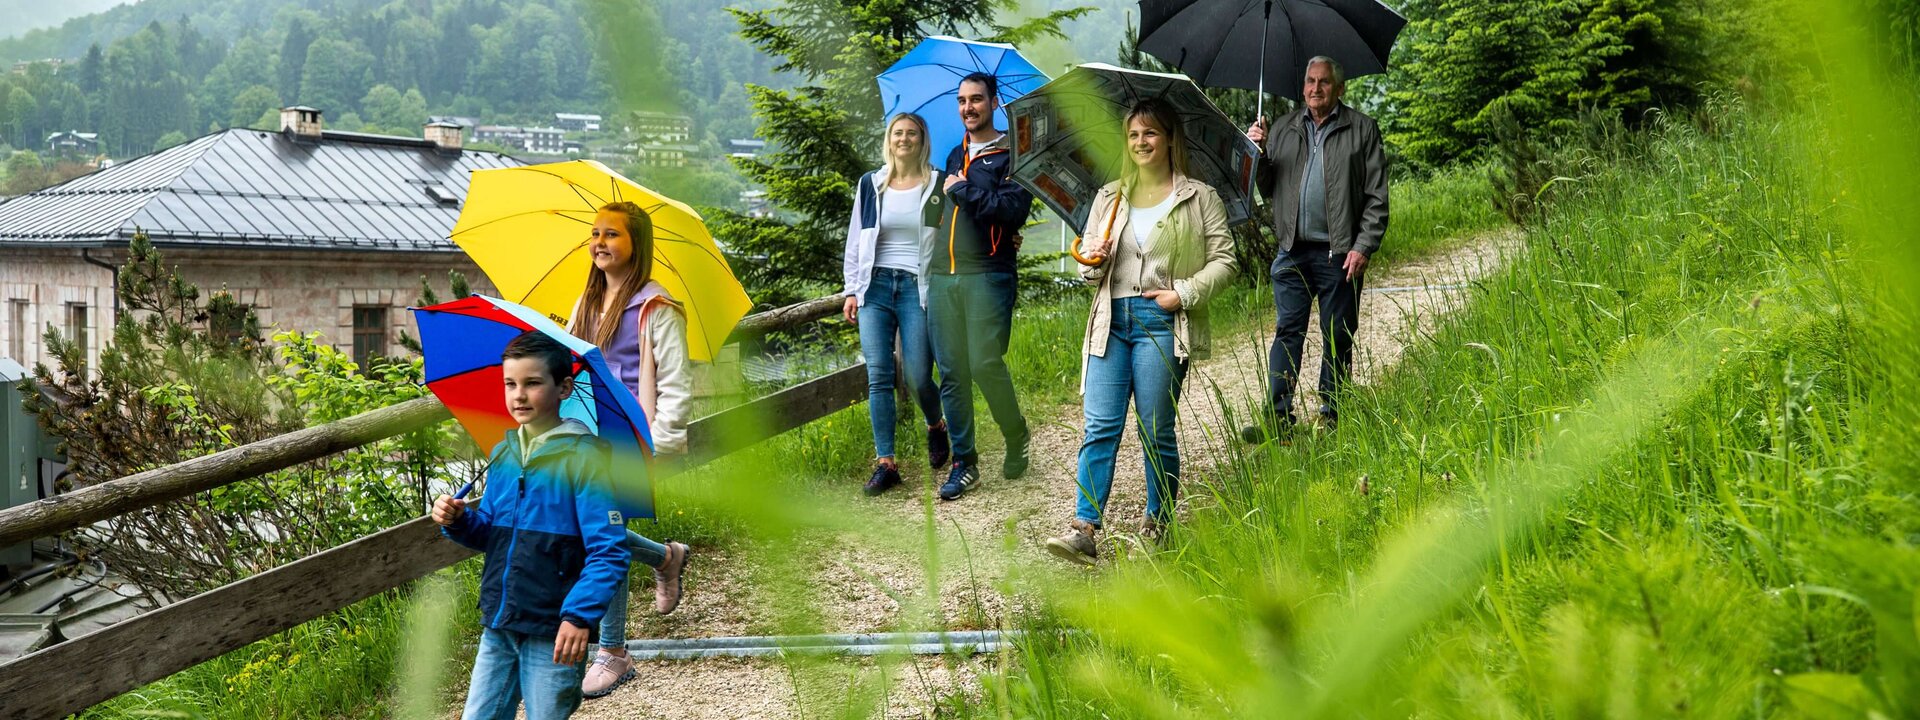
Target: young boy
[{"x": 554, "y": 540}]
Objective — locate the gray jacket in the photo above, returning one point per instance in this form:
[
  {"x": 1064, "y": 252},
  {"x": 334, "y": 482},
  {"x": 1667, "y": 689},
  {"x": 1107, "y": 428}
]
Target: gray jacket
[{"x": 1355, "y": 172}]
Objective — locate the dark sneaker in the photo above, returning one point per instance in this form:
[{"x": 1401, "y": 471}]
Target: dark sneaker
[
  {"x": 1017, "y": 457},
  {"x": 1329, "y": 420},
  {"x": 960, "y": 478},
  {"x": 939, "y": 450},
  {"x": 1280, "y": 432},
  {"x": 1077, "y": 545},
  {"x": 884, "y": 478},
  {"x": 666, "y": 578}
]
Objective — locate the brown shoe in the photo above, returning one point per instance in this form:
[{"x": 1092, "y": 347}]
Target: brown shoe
[
  {"x": 666, "y": 578},
  {"x": 1153, "y": 531},
  {"x": 1077, "y": 545}
]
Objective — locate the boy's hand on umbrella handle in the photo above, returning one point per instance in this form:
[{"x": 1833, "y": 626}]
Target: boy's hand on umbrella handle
[
  {"x": 851, "y": 310},
  {"x": 570, "y": 644},
  {"x": 1258, "y": 132},
  {"x": 447, "y": 510}
]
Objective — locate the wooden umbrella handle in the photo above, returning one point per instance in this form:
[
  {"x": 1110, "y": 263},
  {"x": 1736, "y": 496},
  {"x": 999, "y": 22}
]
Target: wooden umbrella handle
[
  {"x": 1113, "y": 214},
  {"x": 1082, "y": 259}
]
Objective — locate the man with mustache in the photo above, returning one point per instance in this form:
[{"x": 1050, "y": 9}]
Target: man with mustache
[
  {"x": 1325, "y": 175},
  {"x": 972, "y": 284}
]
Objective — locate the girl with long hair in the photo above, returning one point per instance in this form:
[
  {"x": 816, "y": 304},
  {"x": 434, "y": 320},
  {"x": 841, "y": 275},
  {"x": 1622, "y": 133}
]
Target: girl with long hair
[{"x": 643, "y": 334}]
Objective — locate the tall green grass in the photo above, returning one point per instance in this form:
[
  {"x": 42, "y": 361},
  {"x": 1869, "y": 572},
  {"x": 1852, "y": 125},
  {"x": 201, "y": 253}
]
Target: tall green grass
[
  {"x": 1629, "y": 480},
  {"x": 1430, "y": 213}
]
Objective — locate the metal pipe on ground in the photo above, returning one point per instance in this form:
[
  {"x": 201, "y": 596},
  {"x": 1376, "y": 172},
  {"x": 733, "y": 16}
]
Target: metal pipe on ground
[{"x": 905, "y": 643}]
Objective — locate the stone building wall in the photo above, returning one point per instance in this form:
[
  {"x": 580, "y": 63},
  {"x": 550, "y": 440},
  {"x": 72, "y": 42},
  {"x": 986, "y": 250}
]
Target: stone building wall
[{"x": 290, "y": 290}]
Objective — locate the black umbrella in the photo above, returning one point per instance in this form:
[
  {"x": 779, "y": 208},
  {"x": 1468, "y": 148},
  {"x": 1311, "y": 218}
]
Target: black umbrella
[{"x": 1215, "y": 41}]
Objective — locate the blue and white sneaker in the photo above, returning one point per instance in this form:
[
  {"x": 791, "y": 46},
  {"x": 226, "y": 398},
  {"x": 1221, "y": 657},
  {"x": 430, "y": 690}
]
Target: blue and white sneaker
[{"x": 960, "y": 478}]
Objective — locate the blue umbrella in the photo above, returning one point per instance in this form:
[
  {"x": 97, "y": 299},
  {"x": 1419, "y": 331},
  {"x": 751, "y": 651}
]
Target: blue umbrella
[
  {"x": 461, "y": 342},
  {"x": 927, "y": 82}
]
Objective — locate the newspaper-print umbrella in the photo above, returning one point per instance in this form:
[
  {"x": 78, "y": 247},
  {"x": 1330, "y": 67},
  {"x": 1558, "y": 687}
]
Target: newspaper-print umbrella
[
  {"x": 1068, "y": 138},
  {"x": 926, "y": 81},
  {"x": 460, "y": 344}
]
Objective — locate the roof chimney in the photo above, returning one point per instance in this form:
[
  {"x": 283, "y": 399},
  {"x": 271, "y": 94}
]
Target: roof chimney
[
  {"x": 302, "y": 121},
  {"x": 443, "y": 134}
]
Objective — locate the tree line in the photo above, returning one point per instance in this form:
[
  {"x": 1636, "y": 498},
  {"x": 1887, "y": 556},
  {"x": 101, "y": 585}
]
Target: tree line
[{"x": 190, "y": 68}]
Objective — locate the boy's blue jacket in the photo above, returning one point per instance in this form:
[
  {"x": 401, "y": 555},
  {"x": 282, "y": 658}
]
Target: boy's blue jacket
[{"x": 554, "y": 539}]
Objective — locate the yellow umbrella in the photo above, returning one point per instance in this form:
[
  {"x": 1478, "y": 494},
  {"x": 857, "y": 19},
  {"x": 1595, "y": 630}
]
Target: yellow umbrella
[{"x": 527, "y": 227}]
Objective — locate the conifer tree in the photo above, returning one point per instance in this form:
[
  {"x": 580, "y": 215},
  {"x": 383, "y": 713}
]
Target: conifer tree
[{"x": 825, "y": 134}]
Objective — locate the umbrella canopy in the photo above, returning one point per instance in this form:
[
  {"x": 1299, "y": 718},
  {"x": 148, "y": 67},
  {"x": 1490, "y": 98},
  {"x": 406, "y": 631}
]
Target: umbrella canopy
[
  {"x": 1069, "y": 138},
  {"x": 927, "y": 82},
  {"x": 1213, "y": 40},
  {"x": 527, "y": 227},
  {"x": 461, "y": 342}
]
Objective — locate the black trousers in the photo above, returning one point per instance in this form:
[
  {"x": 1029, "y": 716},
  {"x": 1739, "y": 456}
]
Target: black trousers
[{"x": 1301, "y": 276}]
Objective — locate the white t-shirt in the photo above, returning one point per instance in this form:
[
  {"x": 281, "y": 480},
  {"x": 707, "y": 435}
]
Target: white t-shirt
[
  {"x": 899, "y": 243},
  {"x": 975, "y": 148},
  {"x": 1144, "y": 218}
]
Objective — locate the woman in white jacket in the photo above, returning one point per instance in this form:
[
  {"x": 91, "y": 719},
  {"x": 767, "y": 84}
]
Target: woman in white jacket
[
  {"x": 889, "y": 243},
  {"x": 642, "y": 332}
]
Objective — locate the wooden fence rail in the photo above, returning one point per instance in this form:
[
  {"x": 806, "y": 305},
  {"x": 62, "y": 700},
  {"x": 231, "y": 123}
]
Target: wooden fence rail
[{"x": 71, "y": 676}]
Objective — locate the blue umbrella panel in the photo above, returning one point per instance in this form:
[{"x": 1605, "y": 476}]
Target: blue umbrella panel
[{"x": 926, "y": 82}]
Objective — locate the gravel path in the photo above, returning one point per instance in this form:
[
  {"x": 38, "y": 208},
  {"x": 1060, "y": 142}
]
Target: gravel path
[{"x": 989, "y": 555}]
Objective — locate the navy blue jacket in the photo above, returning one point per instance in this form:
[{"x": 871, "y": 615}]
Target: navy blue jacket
[
  {"x": 554, "y": 539},
  {"x": 981, "y": 232}
]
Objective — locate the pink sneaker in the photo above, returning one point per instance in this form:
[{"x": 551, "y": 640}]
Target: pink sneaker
[
  {"x": 607, "y": 672},
  {"x": 666, "y": 578}
]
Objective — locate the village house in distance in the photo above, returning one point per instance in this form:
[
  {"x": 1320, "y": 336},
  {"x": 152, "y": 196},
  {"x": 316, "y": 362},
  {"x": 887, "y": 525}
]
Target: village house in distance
[{"x": 316, "y": 230}]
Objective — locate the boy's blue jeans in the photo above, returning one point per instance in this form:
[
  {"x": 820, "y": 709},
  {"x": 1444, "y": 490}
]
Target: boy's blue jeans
[
  {"x": 512, "y": 667},
  {"x": 613, "y": 626},
  {"x": 1139, "y": 366},
  {"x": 892, "y": 305}
]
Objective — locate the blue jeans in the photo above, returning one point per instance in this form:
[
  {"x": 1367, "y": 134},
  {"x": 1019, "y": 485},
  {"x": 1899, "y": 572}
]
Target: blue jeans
[
  {"x": 613, "y": 626},
  {"x": 892, "y": 308},
  {"x": 510, "y": 667},
  {"x": 1139, "y": 366},
  {"x": 971, "y": 319}
]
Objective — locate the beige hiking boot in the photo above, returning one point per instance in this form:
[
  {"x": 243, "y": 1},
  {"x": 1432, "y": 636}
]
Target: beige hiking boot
[
  {"x": 1078, "y": 544},
  {"x": 666, "y": 578}
]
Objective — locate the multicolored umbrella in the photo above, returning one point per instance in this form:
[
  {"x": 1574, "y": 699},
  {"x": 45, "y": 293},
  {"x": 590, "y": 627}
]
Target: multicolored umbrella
[
  {"x": 461, "y": 342},
  {"x": 1069, "y": 139},
  {"x": 926, "y": 81},
  {"x": 527, "y": 227}
]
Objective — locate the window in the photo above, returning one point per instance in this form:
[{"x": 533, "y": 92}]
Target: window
[
  {"x": 17, "y": 322},
  {"x": 369, "y": 333},
  {"x": 77, "y": 328}
]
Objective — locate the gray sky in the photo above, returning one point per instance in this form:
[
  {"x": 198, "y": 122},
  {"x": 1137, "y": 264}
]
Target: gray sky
[{"x": 19, "y": 16}]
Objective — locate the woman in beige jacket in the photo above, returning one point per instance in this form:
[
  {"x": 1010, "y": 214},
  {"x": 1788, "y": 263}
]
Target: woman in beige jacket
[{"x": 1161, "y": 251}]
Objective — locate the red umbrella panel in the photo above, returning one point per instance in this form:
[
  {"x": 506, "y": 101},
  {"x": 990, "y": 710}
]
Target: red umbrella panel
[{"x": 461, "y": 342}]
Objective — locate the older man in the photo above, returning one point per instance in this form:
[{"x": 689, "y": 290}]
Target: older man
[{"x": 1326, "y": 179}]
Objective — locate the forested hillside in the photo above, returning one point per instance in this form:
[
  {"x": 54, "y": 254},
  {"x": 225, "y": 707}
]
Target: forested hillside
[{"x": 138, "y": 73}]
